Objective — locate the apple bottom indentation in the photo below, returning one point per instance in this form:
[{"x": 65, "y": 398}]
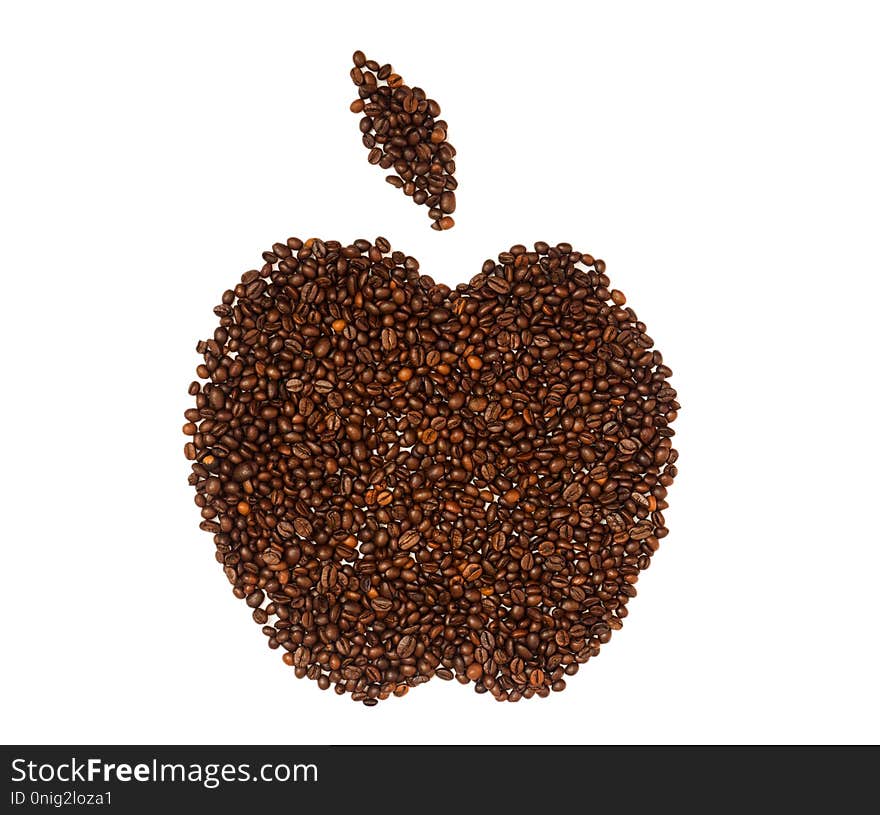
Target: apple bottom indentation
[{"x": 406, "y": 481}]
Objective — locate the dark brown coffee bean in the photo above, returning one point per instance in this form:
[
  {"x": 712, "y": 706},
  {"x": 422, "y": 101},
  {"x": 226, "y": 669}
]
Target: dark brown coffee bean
[
  {"x": 472, "y": 572},
  {"x": 572, "y": 492},
  {"x": 447, "y": 202},
  {"x": 406, "y": 646},
  {"x": 389, "y": 339},
  {"x": 303, "y": 527},
  {"x": 382, "y": 604},
  {"x": 409, "y": 540}
]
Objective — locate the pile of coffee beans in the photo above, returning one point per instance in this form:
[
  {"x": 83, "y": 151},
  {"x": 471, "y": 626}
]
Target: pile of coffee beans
[
  {"x": 405, "y": 481},
  {"x": 401, "y": 130}
]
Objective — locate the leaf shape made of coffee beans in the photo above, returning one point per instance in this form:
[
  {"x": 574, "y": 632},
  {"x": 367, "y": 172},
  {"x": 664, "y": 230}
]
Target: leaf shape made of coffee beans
[
  {"x": 401, "y": 128},
  {"x": 406, "y": 481}
]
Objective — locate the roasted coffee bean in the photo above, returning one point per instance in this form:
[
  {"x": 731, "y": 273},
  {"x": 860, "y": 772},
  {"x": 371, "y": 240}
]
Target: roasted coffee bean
[
  {"x": 408, "y": 540},
  {"x": 406, "y": 646},
  {"x": 303, "y": 527},
  {"x": 401, "y": 128},
  {"x": 405, "y": 481}
]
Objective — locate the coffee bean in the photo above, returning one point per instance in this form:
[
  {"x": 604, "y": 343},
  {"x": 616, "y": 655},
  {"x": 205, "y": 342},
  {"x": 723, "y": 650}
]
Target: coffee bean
[
  {"x": 303, "y": 527},
  {"x": 430, "y": 482},
  {"x": 389, "y": 339},
  {"x": 382, "y": 604},
  {"x": 572, "y": 492},
  {"x": 408, "y": 540},
  {"x": 472, "y": 572},
  {"x": 406, "y": 646},
  {"x": 447, "y": 201}
]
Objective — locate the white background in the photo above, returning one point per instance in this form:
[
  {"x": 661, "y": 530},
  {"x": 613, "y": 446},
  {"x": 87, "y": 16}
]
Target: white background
[{"x": 723, "y": 160}]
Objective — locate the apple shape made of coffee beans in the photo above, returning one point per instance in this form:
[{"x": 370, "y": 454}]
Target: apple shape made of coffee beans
[{"x": 405, "y": 481}]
